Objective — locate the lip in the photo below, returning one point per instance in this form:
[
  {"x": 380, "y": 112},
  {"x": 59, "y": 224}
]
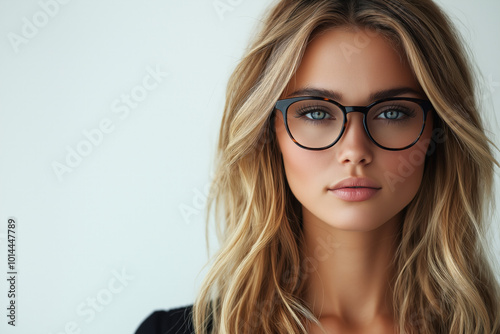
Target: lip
[{"x": 355, "y": 189}]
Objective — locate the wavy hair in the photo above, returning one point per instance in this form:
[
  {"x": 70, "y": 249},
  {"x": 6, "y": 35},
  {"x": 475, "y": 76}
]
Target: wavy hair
[{"x": 445, "y": 282}]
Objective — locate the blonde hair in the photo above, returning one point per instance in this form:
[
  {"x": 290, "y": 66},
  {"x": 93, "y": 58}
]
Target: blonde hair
[{"x": 444, "y": 281}]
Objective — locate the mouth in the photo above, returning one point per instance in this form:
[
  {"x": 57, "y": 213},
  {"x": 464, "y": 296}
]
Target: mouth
[
  {"x": 355, "y": 189},
  {"x": 354, "y": 194}
]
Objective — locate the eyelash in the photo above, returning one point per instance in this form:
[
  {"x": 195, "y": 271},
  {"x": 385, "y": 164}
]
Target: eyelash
[
  {"x": 303, "y": 111},
  {"x": 407, "y": 113}
]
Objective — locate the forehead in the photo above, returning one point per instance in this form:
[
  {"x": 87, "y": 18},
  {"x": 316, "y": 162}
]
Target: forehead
[{"x": 354, "y": 63}]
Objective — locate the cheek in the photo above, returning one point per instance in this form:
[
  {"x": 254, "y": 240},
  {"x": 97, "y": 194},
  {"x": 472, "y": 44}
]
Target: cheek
[
  {"x": 403, "y": 170},
  {"x": 302, "y": 166},
  {"x": 292, "y": 154}
]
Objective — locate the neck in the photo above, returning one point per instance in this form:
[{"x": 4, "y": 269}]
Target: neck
[{"x": 350, "y": 272}]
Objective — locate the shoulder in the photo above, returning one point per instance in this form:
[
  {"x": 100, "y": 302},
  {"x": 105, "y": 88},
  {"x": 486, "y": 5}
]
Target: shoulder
[{"x": 174, "y": 321}]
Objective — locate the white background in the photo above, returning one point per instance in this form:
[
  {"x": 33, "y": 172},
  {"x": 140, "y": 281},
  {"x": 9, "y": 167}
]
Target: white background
[{"x": 119, "y": 212}]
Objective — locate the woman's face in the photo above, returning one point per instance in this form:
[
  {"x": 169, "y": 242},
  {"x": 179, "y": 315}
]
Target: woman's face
[{"x": 354, "y": 65}]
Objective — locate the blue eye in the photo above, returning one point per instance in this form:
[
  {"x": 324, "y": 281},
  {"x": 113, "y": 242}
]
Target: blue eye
[
  {"x": 395, "y": 113},
  {"x": 314, "y": 113},
  {"x": 391, "y": 114},
  {"x": 317, "y": 115}
]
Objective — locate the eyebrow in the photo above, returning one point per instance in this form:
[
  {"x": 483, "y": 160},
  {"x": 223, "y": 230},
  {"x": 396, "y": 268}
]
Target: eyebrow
[{"x": 330, "y": 94}]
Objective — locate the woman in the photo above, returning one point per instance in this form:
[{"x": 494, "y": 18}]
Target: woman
[{"x": 352, "y": 180}]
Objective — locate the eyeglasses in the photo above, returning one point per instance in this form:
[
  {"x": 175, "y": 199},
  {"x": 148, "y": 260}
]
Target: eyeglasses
[{"x": 317, "y": 123}]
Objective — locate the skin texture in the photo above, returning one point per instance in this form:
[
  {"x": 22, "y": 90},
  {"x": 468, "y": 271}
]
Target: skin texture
[{"x": 350, "y": 245}]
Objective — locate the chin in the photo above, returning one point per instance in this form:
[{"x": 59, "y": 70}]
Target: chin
[{"x": 360, "y": 221}]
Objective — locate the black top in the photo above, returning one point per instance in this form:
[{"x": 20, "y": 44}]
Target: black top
[{"x": 176, "y": 321}]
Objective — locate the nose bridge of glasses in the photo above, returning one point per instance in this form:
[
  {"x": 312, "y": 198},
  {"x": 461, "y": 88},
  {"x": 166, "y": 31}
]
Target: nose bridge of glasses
[
  {"x": 353, "y": 109},
  {"x": 360, "y": 124},
  {"x": 360, "y": 109}
]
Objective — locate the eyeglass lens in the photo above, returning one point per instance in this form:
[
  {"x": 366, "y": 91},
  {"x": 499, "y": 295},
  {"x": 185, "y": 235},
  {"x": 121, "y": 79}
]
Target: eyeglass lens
[{"x": 392, "y": 124}]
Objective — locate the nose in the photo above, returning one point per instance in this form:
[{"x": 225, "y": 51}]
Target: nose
[{"x": 355, "y": 147}]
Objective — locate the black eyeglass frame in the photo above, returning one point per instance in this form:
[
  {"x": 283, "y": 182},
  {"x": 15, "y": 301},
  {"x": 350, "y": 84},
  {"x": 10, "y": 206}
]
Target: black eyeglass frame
[{"x": 284, "y": 104}]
